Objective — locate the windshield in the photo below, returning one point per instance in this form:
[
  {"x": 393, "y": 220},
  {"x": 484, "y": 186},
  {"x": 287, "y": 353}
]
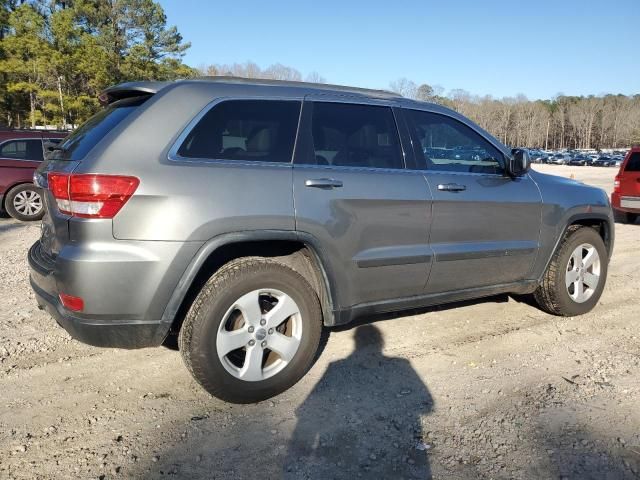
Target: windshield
[{"x": 80, "y": 142}]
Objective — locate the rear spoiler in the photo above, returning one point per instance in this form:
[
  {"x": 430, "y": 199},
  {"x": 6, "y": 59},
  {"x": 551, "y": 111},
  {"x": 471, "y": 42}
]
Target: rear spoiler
[{"x": 129, "y": 90}]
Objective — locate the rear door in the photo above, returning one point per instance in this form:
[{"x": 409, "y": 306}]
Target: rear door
[
  {"x": 353, "y": 195},
  {"x": 629, "y": 177},
  {"x": 485, "y": 225},
  {"x": 18, "y": 159}
]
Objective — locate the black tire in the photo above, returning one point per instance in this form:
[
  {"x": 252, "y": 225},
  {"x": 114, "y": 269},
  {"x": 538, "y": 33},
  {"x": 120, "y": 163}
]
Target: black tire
[
  {"x": 624, "y": 217},
  {"x": 552, "y": 295},
  {"x": 12, "y": 202},
  {"x": 197, "y": 339}
]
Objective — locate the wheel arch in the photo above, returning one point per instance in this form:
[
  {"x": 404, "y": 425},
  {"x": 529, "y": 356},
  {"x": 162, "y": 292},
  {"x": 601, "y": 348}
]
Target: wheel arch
[
  {"x": 299, "y": 251},
  {"x": 602, "y": 223}
]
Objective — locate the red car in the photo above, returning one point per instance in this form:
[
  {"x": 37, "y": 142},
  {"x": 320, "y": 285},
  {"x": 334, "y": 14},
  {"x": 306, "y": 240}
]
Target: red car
[
  {"x": 21, "y": 152},
  {"x": 625, "y": 198}
]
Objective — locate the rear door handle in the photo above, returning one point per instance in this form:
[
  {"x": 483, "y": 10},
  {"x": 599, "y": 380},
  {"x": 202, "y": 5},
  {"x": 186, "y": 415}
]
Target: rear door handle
[
  {"x": 451, "y": 187},
  {"x": 323, "y": 183}
]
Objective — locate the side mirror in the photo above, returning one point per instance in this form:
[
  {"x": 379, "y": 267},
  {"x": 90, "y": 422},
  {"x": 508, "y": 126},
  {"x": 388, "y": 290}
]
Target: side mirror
[{"x": 519, "y": 162}]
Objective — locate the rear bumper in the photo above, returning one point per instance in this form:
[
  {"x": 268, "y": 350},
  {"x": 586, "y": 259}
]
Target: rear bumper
[
  {"x": 112, "y": 318},
  {"x": 115, "y": 334},
  {"x": 625, "y": 203}
]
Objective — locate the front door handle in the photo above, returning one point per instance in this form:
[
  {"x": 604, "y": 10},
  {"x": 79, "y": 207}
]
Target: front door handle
[
  {"x": 323, "y": 183},
  {"x": 451, "y": 187}
]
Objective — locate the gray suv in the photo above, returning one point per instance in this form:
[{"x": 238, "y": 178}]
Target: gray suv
[{"x": 240, "y": 217}]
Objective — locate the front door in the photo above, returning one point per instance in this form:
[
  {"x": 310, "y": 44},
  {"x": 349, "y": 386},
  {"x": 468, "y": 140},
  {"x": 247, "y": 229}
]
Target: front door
[
  {"x": 485, "y": 225},
  {"x": 353, "y": 195}
]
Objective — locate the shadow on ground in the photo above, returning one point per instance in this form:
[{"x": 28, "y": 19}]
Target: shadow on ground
[
  {"x": 7, "y": 224},
  {"x": 364, "y": 417}
]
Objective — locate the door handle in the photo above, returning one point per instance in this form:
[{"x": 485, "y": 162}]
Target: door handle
[
  {"x": 451, "y": 187},
  {"x": 323, "y": 183}
]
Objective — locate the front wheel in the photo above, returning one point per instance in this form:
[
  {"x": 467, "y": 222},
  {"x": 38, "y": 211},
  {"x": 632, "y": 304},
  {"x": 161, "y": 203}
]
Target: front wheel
[
  {"x": 24, "y": 202},
  {"x": 576, "y": 275},
  {"x": 252, "y": 331}
]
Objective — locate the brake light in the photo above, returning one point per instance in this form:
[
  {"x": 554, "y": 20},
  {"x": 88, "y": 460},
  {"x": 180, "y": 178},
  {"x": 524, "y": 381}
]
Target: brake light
[
  {"x": 91, "y": 195},
  {"x": 616, "y": 185}
]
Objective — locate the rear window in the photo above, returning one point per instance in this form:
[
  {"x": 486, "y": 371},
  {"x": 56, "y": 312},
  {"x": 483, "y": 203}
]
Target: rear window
[
  {"x": 80, "y": 142},
  {"x": 633, "y": 165},
  {"x": 247, "y": 130}
]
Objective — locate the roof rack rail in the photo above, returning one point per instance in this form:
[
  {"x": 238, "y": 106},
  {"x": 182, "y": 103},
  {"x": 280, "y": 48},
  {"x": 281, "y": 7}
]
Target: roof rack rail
[{"x": 291, "y": 83}]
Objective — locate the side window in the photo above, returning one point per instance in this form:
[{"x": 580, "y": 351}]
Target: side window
[
  {"x": 633, "y": 164},
  {"x": 254, "y": 130},
  {"x": 350, "y": 135},
  {"x": 27, "y": 149},
  {"x": 449, "y": 145}
]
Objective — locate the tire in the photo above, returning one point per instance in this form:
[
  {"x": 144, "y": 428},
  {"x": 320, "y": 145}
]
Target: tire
[
  {"x": 557, "y": 294},
  {"x": 215, "y": 317},
  {"x": 625, "y": 217},
  {"x": 25, "y": 203}
]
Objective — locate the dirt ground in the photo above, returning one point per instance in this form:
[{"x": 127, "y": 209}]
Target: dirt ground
[{"x": 487, "y": 389}]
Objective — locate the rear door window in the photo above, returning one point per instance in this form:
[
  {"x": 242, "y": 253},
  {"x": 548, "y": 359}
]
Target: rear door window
[
  {"x": 633, "y": 164},
  {"x": 353, "y": 135},
  {"x": 22, "y": 149},
  {"x": 77, "y": 145},
  {"x": 246, "y": 130}
]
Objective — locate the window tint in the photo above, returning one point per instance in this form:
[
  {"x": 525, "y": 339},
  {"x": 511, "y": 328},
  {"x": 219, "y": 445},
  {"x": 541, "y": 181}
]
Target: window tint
[
  {"x": 449, "y": 145},
  {"x": 633, "y": 164},
  {"x": 27, "y": 149},
  {"x": 258, "y": 130},
  {"x": 355, "y": 136},
  {"x": 81, "y": 141}
]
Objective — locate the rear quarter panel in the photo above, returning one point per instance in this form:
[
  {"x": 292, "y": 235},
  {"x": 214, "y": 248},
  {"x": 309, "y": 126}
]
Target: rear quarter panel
[{"x": 189, "y": 200}]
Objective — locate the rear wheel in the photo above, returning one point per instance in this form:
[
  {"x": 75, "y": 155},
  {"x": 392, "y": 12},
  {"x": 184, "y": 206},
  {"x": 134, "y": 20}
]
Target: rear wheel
[
  {"x": 625, "y": 217},
  {"x": 576, "y": 275},
  {"x": 24, "y": 202},
  {"x": 252, "y": 331}
]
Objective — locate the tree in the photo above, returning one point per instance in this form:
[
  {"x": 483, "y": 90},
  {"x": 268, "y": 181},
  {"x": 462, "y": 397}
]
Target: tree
[
  {"x": 404, "y": 87},
  {"x": 56, "y": 56}
]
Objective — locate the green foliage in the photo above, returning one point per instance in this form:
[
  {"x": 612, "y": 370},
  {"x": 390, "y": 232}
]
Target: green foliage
[{"x": 56, "y": 56}]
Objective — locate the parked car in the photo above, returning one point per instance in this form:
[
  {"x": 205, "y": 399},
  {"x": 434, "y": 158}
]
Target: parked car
[
  {"x": 602, "y": 161},
  {"x": 625, "y": 198},
  {"x": 260, "y": 211},
  {"x": 580, "y": 160},
  {"x": 21, "y": 152},
  {"x": 560, "y": 159}
]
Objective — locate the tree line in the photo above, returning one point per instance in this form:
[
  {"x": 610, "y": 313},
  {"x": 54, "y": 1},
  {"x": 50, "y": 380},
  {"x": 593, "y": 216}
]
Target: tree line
[
  {"x": 591, "y": 122},
  {"x": 57, "y": 55}
]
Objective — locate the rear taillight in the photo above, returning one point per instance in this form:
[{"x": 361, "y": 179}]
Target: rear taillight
[
  {"x": 91, "y": 195},
  {"x": 616, "y": 185}
]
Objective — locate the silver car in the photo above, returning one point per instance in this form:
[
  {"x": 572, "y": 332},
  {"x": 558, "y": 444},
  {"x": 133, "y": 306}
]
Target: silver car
[{"x": 242, "y": 217}]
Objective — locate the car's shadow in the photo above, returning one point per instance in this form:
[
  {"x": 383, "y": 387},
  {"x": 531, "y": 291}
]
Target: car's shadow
[{"x": 8, "y": 224}]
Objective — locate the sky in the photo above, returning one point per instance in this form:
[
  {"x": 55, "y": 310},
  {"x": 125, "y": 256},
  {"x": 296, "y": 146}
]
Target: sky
[{"x": 538, "y": 48}]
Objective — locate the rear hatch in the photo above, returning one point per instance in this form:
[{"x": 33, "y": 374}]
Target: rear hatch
[
  {"x": 629, "y": 176},
  {"x": 119, "y": 103}
]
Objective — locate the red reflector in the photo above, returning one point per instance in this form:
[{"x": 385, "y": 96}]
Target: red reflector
[
  {"x": 91, "y": 195},
  {"x": 75, "y": 304}
]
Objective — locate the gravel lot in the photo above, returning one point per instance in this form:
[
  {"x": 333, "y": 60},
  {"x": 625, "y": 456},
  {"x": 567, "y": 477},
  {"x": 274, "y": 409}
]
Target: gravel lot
[{"x": 486, "y": 389}]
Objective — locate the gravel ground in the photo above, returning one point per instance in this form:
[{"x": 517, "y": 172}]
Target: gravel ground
[{"x": 488, "y": 389}]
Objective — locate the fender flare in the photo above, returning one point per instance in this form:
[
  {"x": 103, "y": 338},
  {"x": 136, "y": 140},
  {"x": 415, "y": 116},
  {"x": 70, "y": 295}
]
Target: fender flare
[
  {"x": 575, "y": 218},
  {"x": 211, "y": 245}
]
